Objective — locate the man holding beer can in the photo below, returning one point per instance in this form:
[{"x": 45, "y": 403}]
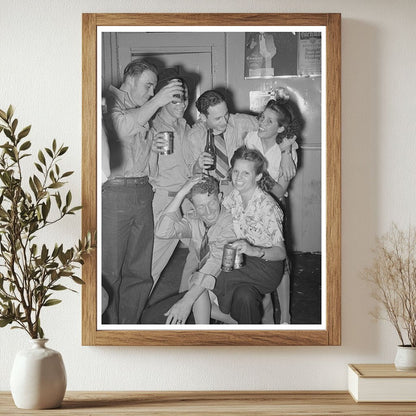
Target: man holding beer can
[
  {"x": 168, "y": 132},
  {"x": 127, "y": 219}
]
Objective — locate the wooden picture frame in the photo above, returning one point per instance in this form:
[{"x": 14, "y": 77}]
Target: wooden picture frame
[{"x": 331, "y": 334}]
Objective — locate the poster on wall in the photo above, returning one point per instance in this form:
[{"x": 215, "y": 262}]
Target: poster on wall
[
  {"x": 309, "y": 53},
  {"x": 282, "y": 54},
  {"x": 171, "y": 235},
  {"x": 270, "y": 54}
]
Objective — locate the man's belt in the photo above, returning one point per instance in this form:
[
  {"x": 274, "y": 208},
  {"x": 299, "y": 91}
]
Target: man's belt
[{"x": 129, "y": 180}]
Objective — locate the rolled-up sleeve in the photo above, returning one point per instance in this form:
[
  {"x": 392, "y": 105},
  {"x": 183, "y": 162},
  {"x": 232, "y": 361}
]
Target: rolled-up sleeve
[
  {"x": 172, "y": 225},
  {"x": 204, "y": 280},
  {"x": 126, "y": 123}
]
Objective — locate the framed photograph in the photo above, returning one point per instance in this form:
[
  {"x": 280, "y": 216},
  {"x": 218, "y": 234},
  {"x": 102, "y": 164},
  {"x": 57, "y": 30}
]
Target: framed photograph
[{"x": 249, "y": 60}]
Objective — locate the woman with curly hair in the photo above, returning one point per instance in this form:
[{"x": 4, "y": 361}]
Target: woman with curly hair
[
  {"x": 257, "y": 220},
  {"x": 276, "y": 135}
]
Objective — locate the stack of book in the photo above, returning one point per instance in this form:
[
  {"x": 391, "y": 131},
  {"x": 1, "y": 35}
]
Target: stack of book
[{"x": 381, "y": 383}]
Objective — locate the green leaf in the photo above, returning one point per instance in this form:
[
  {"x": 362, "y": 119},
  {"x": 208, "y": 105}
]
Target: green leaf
[
  {"x": 77, "y": 208},
  {"x": 56, "y": 185},
  {"x": 59, "y": 250},
  {"x": 44, "y": 253},
  {"x": 10, "y": 112},
  {"x": 58, "y": 199},
  {"x": 59, "y": 287},
  {"x": 63, "y": 150},
  {"x": 25, "y": 145},
  {"x": 14, "y": 125},
  {"x": 68, "y": 199},
  {"x": 76, "y": 279},
  {"x": 41, "y": 157},
  {"x": 51, "y": 302},
  {"x": 62, "y": 257},
  {"x": 24, "y": 155},
  {"x": 40, "y": 331},
  {"x": 24, "y": 133},
  {"x": 67, "y": 174},
  {"x": 45, "y": 211},
  {"x": 3, "y": 115},
  {"x": 39, "y": 167},
  {"x": 33, "y": 187},
  {"x": 5, "y": 321},
  {"x": 37, "y": 183},
  {"x": 8, "y": 133},
  {"x": 49, "y": 152},
  {"x": 54, "y": 145}
]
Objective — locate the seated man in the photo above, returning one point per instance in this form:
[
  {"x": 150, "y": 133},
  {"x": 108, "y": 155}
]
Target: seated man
[{"x": 209, "y": 228}]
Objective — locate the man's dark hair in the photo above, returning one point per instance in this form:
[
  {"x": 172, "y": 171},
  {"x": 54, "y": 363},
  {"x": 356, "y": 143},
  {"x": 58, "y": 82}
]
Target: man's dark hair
[
  {"x": 208, "y": 99},
  {"x": 137, "y": 67},
  {"x": 209, "y": 185}
]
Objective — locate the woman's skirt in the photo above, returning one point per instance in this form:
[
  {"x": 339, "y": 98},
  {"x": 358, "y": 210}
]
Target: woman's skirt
[{"x": 264, "y": 275}]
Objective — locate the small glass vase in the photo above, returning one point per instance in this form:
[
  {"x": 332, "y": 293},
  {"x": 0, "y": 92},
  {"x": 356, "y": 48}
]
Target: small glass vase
[
  {"x": 38, "y": 377},
  {"x": 405, "y": 358}
]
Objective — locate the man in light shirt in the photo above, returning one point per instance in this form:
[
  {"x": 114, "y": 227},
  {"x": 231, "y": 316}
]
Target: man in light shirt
[
  {"x": 229, "y": 132},
  {"x": 209, "y": 227},
  {"x": 127, "y": 219}
]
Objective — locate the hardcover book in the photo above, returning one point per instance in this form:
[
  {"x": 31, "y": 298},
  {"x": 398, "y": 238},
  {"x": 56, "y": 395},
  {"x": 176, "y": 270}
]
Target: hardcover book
[{"x": 381, "y": 383}]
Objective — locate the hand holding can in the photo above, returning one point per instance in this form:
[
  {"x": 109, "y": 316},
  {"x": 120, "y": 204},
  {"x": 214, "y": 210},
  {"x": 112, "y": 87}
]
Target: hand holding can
[
  {"x": 239, "y": 261},
  {"x": 228, "y": 258},
  {"x": 166, "y": 146}
]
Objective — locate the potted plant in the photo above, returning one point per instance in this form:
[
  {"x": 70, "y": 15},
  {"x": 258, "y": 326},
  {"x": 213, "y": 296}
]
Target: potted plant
[
  {"x": 31, "y": 273},
  {"x": 393, "y": 277}
]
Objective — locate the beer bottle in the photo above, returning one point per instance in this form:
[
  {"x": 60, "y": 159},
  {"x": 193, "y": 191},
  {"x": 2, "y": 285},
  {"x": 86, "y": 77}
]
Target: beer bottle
[{"x": 210, "y": 148}]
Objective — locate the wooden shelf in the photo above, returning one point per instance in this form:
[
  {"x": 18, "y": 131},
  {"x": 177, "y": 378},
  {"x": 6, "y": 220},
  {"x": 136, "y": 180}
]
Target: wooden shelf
[{"x": 180, "y": 403}]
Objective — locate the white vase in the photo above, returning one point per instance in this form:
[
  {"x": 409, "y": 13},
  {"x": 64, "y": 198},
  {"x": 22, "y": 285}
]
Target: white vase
[
  {"x": 38, "y": 377},
  {"x": 405, "y": 358}
]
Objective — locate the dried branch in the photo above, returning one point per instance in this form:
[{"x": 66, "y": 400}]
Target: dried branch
[{"x": 393, "y": 277}]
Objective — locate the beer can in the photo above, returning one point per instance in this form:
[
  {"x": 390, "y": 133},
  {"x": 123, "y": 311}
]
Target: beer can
[
  {"x": 168, "y": 147},
  {"x": 179, "y": 98},
  {"x": 228, "y": 258},
  {"x": 239, "y": 261}
]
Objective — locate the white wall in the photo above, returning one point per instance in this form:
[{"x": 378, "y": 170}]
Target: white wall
[{"x": 40, "y": 74}]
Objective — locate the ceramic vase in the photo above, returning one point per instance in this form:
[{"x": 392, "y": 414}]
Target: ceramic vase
[
  {"x": 38, "y": 377},
  {"x": 405, "y": 358}
]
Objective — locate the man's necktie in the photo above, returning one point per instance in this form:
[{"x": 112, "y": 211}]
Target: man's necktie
[
  {"x": 221, "y": 168},
  {"x": 204, "y": 250}
]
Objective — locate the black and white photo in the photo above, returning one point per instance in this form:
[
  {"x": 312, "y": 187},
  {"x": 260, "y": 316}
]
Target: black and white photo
[{"x": 171, "y": 212}]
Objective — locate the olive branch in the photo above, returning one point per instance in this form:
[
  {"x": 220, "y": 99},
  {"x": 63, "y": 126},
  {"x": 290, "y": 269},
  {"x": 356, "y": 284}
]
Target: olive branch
[{"x": 30, "y": 274}]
